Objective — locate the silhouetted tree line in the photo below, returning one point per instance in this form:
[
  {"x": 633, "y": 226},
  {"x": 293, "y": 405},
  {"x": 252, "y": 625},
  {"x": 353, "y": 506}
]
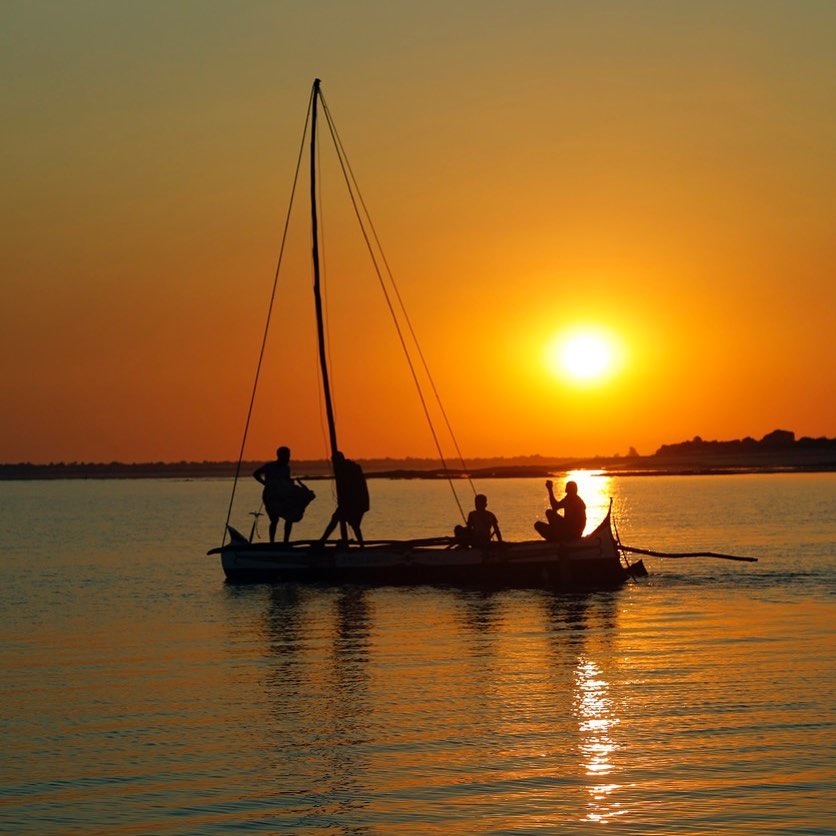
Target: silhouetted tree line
[{"x": 776, "y": 441}]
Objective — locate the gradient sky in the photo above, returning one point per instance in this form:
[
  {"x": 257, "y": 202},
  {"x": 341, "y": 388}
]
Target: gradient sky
[{"x": 663, "y": 170}]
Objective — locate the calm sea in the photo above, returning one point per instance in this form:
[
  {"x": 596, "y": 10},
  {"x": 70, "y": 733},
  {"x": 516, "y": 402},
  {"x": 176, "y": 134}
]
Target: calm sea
[{"x": 141, "y": 694}]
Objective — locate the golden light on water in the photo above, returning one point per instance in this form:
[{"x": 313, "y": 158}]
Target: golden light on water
[{"x": 596, "y": 720}]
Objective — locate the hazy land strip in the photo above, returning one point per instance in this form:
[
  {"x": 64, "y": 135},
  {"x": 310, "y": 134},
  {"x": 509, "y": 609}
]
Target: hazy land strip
[{"x": 804, "y": 460}]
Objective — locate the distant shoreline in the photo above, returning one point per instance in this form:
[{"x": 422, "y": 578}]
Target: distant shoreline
[
  {"x": 777, "y": 452},
  {"x": 818, "y": 461}
]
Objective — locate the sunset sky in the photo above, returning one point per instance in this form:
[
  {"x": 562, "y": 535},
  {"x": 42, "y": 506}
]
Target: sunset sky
[{"x": 658, "y": 173}]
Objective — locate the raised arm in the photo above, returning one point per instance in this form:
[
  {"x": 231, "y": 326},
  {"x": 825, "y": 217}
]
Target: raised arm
[{"x": 552, "y": 501}]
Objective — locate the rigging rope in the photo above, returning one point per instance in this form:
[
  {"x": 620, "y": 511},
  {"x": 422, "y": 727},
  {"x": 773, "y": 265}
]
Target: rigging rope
[
  {"x": 621, "y": 553},
  {"x": 267, "y": 322},
  {"x": 352, "y": 186},
  {"x": 390, "y": 275},
  {"x": 355, "y": 196}
]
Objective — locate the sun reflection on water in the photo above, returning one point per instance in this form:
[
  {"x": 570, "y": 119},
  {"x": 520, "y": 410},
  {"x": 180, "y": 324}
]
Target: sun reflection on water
[{"x": 594, "y": 710}]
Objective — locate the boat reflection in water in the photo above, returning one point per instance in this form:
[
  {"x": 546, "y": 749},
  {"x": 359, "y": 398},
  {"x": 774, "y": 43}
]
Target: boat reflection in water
[
  {"x": 410, "y": 707},
  {"x": 317, "y": 687}
]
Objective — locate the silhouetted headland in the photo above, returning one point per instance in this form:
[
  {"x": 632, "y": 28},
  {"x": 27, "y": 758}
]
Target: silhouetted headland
[{"x": 778, "y": 451}]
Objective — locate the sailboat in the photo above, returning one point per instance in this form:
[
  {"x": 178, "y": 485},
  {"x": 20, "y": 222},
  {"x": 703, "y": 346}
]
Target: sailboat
[{"x": 593, "y": 561}]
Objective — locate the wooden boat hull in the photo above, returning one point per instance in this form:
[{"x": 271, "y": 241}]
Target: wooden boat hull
[{"x": 594, "y": 562}]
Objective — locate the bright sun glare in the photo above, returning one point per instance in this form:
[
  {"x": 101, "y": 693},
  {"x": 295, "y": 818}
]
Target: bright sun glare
[{"x": 584, "y": 355}]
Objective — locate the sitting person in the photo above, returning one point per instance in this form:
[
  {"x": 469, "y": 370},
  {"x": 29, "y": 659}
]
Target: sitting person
[
  {"x": 481, "y": 525},
  {"x": 571, "y": 524}
]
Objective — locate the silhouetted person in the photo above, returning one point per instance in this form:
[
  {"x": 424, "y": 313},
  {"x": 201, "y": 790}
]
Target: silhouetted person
[
  {"x": 570, "y": 526},
  {"x": 481, "y": 525},
  {"x": 282, "y": 498},
  {"x": 352, "y": 496}
]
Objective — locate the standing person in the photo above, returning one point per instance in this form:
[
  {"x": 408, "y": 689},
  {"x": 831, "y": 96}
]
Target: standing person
[
  {"x": 278, "y": 487},
  {"x": 570, "y": 526},
  {"x": 352, "y": 496},
  {"x": 481, "y": 525}
]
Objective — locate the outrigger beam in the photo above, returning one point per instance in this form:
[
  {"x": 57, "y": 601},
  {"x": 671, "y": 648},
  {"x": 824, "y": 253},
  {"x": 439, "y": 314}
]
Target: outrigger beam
[{"x": 689, "y": 554}]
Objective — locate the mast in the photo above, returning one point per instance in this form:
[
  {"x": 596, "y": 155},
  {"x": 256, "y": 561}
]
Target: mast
[{"x": 320, "y": 328}]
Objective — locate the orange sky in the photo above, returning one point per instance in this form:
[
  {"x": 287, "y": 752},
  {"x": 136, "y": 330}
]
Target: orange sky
[{"x": 662, "y": 170}]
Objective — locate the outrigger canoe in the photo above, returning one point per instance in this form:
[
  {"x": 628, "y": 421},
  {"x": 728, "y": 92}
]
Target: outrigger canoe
[{"x": 593, "y": 562}]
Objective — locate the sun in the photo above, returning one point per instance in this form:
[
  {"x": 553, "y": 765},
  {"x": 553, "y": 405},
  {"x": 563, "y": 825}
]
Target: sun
[{"x": 584, "y": 355}]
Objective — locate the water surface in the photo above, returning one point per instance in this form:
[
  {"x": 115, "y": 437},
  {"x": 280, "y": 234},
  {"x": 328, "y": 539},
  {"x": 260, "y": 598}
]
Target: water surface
[{"x": 142, "y": 694}]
